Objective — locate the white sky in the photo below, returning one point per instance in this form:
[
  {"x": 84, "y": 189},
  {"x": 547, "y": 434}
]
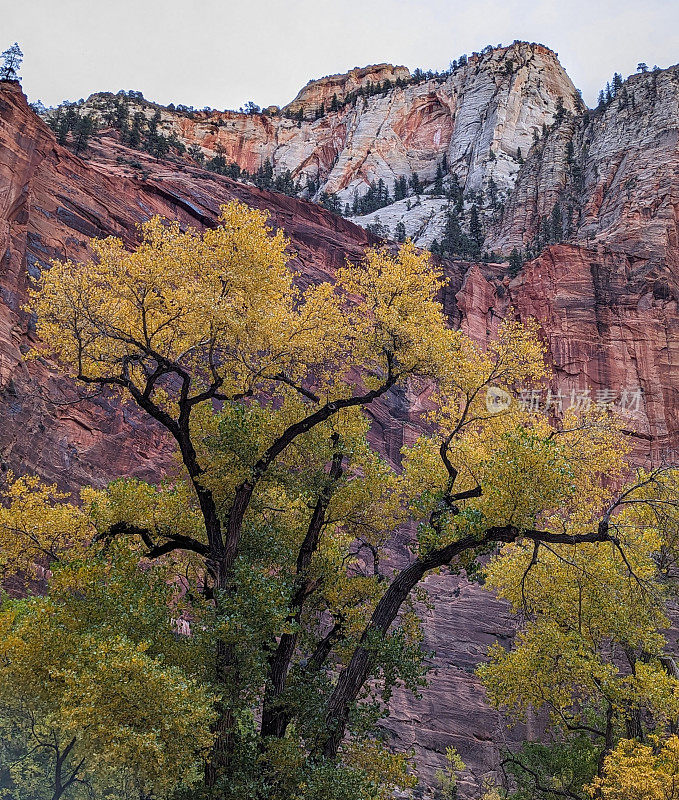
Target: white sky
[{"x": 222, "y": 53}]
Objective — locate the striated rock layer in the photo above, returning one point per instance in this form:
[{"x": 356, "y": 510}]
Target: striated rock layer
[
  {"x": 477, "y": 120},
  {"x": 606, "y": 300}
]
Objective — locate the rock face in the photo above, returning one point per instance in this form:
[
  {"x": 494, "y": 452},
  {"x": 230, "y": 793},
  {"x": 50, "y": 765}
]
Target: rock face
[
  {"x": 612, "y": 172},
  {"x": 475, "y": 121},
  {"x": 321, "y": 92},
  {"x": 606, "y": 297}
]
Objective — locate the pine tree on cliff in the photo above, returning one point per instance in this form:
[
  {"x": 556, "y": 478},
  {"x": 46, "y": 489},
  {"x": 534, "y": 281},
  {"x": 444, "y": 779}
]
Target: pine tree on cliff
[
  {"x": 453, "y": 242},
  {"x": 153, "y": 123},
  {"x": 134, "y": 136},
  {"x": 515, "y": 262},
  {"x": 84, "y": 129},
  {"x": 617, "y": 83},
  {"x": 438, "y": 181},
  {"x": 475, "y": 228},
  {"x": 11, "y": 58},
  {"x": 400, "y": 188}
]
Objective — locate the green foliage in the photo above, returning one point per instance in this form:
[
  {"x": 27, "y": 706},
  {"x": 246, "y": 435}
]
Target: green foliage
[
  {"x": 540, "y": 771},
  {"x": 96, "y": 688},
  {"x": 447, "y": 778},
  {"x": 515, "y": 262}
]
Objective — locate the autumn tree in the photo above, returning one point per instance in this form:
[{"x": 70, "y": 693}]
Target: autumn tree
[
  {"x": 591, "y": 653},
  {"x": 276, "y": 523},
  {"x": 635, "y": 771}
]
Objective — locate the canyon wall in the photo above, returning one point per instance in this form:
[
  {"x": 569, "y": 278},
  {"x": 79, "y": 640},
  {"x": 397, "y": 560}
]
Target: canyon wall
[
  {"x": 605, "y": 296},
  {"x": 477, "y": 121}
]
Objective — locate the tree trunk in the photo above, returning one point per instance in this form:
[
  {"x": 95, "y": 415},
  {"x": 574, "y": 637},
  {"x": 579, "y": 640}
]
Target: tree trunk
[{"x": 275, "y": 719}]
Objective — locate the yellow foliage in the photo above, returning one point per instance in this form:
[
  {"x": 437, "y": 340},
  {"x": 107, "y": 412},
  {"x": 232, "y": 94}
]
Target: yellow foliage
[
  {"x": 635, "y": 771},
  {"x": 37, "y": 526},
  {"x": 71, "y": 672}
]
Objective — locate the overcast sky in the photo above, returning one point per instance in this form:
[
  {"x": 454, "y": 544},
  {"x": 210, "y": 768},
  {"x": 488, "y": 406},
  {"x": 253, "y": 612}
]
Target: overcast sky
[{"x": 222, "y": 53}]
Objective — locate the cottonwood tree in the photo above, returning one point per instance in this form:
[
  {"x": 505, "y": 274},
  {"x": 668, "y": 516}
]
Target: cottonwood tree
[
  {"x": 591, "y": 652},
  {"x": 275, "y": 524}
]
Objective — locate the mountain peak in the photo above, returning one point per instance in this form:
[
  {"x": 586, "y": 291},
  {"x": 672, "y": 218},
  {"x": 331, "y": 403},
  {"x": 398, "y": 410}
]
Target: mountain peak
[{"x": 320, "y": 91}]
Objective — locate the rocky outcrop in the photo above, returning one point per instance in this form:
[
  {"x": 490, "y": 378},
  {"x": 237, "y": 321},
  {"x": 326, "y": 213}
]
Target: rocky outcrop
[
  {"x": 320, "y": 93},
  {"x": 612, "y": 172},
  {"x": 476, "y": 122}
]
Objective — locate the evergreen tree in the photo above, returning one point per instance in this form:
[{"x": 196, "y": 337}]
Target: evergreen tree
[
  {"x": 122, "y": 120},
  {"x": 84, "y": 129},
  {"x": 136, "y": 132},
  {"x": 557, "y": 223},
  {"x": 400, "y": 231},
  {"x": 264, "y": 176},
  {"x": 570, "y": 153},
  {"x": 515, "y": 262},
  {"x": 153, "y": 123},
  {"x": 11, "y": 63},
  {"x": 62, "y": 130},
  {"x": 475, "y": 228},
  {"x": 400, "y": 188},
  {"x": 492, "y": 191},
  {"x": 415, "y": 184},
  {"x": 196, "y": 153},
  {"x": 158, "y": 146},
  {"x": 453, "y": 242},
  {"x": 455, "y": 190},
  {"x": 438, "y": 181},
  {"x": 617, "y": 83}
]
